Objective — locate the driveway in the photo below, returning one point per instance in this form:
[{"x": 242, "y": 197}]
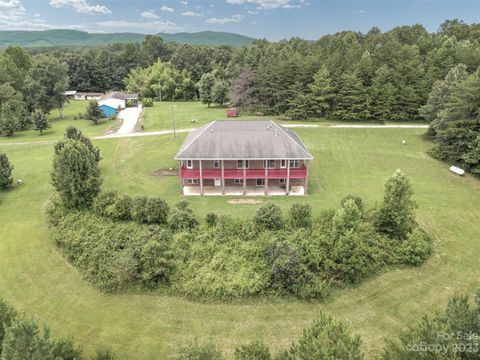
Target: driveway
[{"x": 129, "y": 118}]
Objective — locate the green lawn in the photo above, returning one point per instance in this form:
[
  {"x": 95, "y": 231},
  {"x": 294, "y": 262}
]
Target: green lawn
[
  {"x": 37, "y": 280},
  {"x": 58, "y": 125}
]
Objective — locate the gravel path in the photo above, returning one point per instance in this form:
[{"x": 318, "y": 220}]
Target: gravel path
[
  {"x": 127, "y": 128},
  {"x": 129, "y": 118}
]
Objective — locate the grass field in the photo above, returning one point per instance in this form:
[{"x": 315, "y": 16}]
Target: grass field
[
  {"x": 37, "y": 280},
  {"x": 58, "y": 125}
]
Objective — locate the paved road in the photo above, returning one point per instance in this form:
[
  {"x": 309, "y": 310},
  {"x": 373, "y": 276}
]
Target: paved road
[{"x": 125, "y": 134}]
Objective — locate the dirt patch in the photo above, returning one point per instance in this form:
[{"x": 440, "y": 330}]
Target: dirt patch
[
  {"x": 245, "y": 202},
  {"x": 165, "y": 172}
]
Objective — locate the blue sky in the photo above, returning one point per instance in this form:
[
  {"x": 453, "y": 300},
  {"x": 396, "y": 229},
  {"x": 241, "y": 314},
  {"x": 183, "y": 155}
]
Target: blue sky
[{"x": 272, "y": 19}]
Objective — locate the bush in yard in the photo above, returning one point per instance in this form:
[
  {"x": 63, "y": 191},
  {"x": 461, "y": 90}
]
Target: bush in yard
[
  {"x": 157, "y": 211},
  {"x": 139, "y": 209},
  {"x": 357, "y": 199},
  {"x": 416, "y": 248},
  {"x": 347, "y": 219},
  {"x": 396, "y": 216},
  {"x": 94, "y": 112},
  {"x": 75, "y": 175},
  {"x": 40, "y": 121},
  {"x": 211, "y": 219},
  {"x": 6, "y": 179},
  {"x": 325, "y": 339},
  {"x": 197, "y": 350},
  {"x": 121, "y": 209},
  {"x": 103, "y": 353},
  {"x": 253, "y": 351},
  {"x": 269, "y": 217},
  {"x": 74, "y": 134},
  {"x": 300, "y": 215},
  {"x": 7, "y": 317},
  {"x": 147, "y": 102},
  {"x": 182, "y": 217},
  {"x": 103, "y": 201},
  {"x": 66, "y": 349}
]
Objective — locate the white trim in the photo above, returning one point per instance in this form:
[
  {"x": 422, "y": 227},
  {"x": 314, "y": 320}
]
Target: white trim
[
  {"x": 192, "y": 181},
  {"x": 191, "y": 164},
  {"x": 294, "y": 166},
  {"x": 238, "y": 181},
  {"x": 245, "y": 164}
]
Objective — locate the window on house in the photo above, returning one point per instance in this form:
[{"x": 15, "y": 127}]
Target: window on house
[
  {"x": 192, "y": 181},
  {"x": 238, "y": 181},
  {"x": 260, "y": 182},
  {"x": 189, "y": 164},
  {"x": 216, "y": 164},
  {"x": 240, "y": 164},
  {"x": 283, "y": 164},
  {"x": 269, "y": 163},
  {"x": 294, "y": 163},
  {"x": 283, "y": 181}
]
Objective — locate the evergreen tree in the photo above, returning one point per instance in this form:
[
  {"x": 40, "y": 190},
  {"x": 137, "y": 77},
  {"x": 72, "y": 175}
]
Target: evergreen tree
[
  {"x": 351, "y": 99},
  {"x": 6, "y": 179},
  {"x": 75, "y": 174},
  {"x": 299, "y": 107},
  {"x": 383, "y": 94},
  {"x": 325, "y": 339},
  {"x": 40, "y": 121},
  {"x": 396, "y": 216},
  {"x": 24, "y": 341},
  {"x": 321, "y": 93},
  {"x": 206, "y": 85},
  {"x": 74, "y": 134}
]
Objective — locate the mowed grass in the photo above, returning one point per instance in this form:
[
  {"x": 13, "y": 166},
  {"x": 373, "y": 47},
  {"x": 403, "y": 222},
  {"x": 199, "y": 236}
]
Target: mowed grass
[
  {"x": 58, "y": 125},
  {"x": 37, "y": 280}
]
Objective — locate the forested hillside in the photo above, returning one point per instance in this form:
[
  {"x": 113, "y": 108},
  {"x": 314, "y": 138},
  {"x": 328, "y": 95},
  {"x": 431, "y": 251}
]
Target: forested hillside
[{"x": 80, "y": 38}]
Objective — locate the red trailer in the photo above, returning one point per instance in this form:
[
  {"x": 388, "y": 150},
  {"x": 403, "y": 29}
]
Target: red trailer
[{"x": 233, "y": 112}]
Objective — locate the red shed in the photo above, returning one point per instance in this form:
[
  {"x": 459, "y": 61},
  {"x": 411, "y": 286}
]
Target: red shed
[{"x": 233, "y": 112}]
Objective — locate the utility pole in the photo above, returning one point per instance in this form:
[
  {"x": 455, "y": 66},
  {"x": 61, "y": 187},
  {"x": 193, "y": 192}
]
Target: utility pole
[{"x": 173, "y": 122}]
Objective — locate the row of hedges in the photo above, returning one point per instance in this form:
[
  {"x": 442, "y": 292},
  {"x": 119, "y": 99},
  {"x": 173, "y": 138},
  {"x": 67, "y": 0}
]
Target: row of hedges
[{"x": 271, "y": 254}]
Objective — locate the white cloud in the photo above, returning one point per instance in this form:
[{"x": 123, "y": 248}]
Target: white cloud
[
  {"x": 184, "y": 2},
  {"x": 150, "y": 15},
  {"x": 11, "y": 10},
  {"x": 191, "y": 13},
  {"x": 80, "y": 6},
  {"x": 152, "y": 26},
  {"x": 234, "y": 19},
  {"x": 266, "y": 4},
  {"x": 167, "y": 9}
]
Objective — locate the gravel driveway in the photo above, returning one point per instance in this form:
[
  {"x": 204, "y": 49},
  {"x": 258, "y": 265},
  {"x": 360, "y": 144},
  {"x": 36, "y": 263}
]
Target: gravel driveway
[{"x": 129, "y": 118}]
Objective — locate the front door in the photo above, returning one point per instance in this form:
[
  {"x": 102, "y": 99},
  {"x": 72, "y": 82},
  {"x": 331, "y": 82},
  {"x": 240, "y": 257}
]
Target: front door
[{"x": 218, "y": 182}]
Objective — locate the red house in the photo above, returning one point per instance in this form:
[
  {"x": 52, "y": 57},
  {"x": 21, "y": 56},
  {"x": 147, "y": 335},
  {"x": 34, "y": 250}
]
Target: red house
[{"x": 241, "y": 157}]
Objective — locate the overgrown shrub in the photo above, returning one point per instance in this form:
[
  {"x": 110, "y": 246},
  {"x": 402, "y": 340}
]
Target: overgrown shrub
[
  {"x": 147, "y": 102},
  {"x": 211, "y": 219},
  {"x": 120, "y": 209},
  {"x": 357, "y": 199},
  {"x": 103, "y": 201},
  {"x": 157, "y": 211},
  {"x": 140, "y": 210},
  {"x": 285, "y": 266},
  {"x": 253, "y": 351},
  {"x": 198, "y": 350},
  {"x": 416, "y": 248},
  {"x": 182, "y": 217},
  {"x": 300, "y": 215},
  {"x": 269, "y": 217}
]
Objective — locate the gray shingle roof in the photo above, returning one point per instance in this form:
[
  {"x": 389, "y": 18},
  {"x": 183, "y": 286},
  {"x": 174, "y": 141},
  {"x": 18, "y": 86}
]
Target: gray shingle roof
[{"x": 242, "y": 139}]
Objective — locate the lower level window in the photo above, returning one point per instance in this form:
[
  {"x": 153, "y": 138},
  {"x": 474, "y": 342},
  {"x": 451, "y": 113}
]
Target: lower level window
[
  {"x": 283, "y": 181},
  {"x": 192, "y": 181},
  {"x": 260, "y": 182},
  {"x": 238, "y": 181}
]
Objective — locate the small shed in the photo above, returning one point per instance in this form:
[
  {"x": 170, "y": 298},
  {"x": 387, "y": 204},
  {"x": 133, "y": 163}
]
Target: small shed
[
  {"x": 233, "y": 112},
  {"x": 108, "y": 111},
  {"x": 70, "y": 94}
]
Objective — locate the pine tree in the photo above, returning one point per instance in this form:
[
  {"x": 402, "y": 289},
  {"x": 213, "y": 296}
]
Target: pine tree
[
  {"x": 6, "y": 179},
  {"x": 351, "y": 99},
  {"x": 74, "y": 134},
  {"x": 321, "y": 93},
  {"x": 383, "y": 95},
  {"x": 75, "y": 175}
]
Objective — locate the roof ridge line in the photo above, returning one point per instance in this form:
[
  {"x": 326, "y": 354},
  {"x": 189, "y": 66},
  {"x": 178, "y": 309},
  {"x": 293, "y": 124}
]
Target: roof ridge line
[
  {"x": 196, "y": 137},
  {"x": 295, "y": 141}
]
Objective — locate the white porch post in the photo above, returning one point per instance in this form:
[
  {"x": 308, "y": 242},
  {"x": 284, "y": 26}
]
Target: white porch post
[
  {"x": 305, "y": 181},
  {"x": 288, "y": 177},
  {"x": 223, "y": 178},
  {"x": 201, "y": 178},
  {"x": 182, "y": 182},
  {"x": 244, "y": 177},
  {"x": 266, "y": 178}
]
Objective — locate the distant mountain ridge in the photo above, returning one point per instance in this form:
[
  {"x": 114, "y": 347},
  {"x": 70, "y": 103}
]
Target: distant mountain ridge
[{"x": 81, "y": 38}]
